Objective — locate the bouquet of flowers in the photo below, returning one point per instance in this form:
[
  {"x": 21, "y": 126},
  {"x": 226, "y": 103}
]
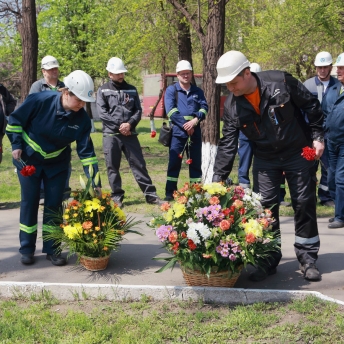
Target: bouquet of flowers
[
  {"x": 93, "y": 225},
  {"x": 212, "y": 228}
]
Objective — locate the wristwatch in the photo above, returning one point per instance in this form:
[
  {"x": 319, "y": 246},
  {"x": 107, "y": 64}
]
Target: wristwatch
[{"x": 319, "y": 139}]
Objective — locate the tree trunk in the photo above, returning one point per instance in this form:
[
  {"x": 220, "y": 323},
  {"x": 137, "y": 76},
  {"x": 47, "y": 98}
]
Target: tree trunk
[
  {"x": 184, "y": 39},
  {"x": 212, "y": 45},
  {"x": 29, "y": 38}
]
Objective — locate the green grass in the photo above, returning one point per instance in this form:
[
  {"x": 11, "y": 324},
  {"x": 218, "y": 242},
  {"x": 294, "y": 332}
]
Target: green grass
[
  {"x": 145, "y": 321},
  {"x": 156, "y": 157}
]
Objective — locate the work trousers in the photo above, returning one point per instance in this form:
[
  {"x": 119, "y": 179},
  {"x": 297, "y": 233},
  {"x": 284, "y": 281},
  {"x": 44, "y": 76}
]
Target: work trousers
[
  {"x": 113, "y": 146},
  {"x": 301, "y": 178},
  {"x": 52, "y": 213},
  {"x": 336, "y": 177},
  {"x": 245, "y": 152},
  {"x": 326, "y": 192},
  {"x": 193, "y": 151}
]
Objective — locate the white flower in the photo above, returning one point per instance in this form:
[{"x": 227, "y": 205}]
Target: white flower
[
  {"x": 207, "y": 195},
  {"x": 256, "y": 196},
  {"x": 191, "y": 233},
  {"x": 190, "y": 201},
  {"x": 198, "y": 197},
  {"x": 201, "y": 228},
  {"x": 248, "y": 191},
  {"x": 247, "y": 198}
]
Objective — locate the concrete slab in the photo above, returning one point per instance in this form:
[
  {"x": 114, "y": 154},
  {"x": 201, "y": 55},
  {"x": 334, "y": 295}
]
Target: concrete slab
[{"x": 132, "y": 270}]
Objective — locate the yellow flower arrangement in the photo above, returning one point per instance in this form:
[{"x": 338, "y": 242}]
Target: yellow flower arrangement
[{"x": 93, "y": 226}]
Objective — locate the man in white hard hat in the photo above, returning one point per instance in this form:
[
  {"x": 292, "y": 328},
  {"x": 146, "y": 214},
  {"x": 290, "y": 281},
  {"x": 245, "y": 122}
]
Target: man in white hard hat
[
  {"x": 319, "y": 86},
  {"x": 186, "y": 107},
  {"x": 245, "y": 150},
  {"x": 50, "y": 82},
  {"x": 41, "y": 131},
  {"x": 267, "y": 107},
  {"x": 120, "y": 110},
  {"x": 332, "y": 106}
]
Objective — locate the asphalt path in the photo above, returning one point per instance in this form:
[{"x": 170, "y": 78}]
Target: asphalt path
[{"x": 132, "y": 265}]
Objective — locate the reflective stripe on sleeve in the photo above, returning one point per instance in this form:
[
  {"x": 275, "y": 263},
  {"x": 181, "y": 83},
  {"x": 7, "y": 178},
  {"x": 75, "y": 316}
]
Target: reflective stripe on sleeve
[
  {"x": 14, "y": 128},
  {"x": 89, "y": 161},
  {"x": 172, "y": 179},
  {"x": 171, "y": 112},
  {"x": 189, "y": 118},
  {"x": 204, "y": 111}
]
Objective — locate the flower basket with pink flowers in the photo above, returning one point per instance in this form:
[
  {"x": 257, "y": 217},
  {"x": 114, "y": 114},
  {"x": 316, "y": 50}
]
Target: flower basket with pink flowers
[{"x": 213, "y": 228}]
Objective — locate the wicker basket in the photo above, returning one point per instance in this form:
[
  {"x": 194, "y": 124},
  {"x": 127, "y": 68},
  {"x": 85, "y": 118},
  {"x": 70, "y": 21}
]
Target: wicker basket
[
  {"x": 224, "y": 279},
  {"x": 94, "y": 264}
]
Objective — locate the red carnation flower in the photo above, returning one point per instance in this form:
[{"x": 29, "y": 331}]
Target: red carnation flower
[
  {"x": 175, "y": 247},
  {"x": 308, "y": 153},
  {"x": 192, "y": 245},
  {"x": 153, "y": 133},
  {"x": 28, "y": 170},
  {"x": 180, "y": 156},
  {"x": 189, "y": 161}
]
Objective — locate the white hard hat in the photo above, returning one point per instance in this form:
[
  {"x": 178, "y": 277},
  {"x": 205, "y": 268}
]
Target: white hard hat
[
  {"x": 230, "y": 65},
  {"x": 81, "y": 84},
  {"x": 116, "y": 66},
  {"x": 255, "y": 67},
  {"x": 49, "y": 62},
  {"x": 323, "y": 58},
  {"x": 183, "y": 65},
  {"x": 340, "y": 60}
]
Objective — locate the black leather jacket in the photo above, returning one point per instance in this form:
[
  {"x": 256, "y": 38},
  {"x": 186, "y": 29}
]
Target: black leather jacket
[
  {"x": 117, "y": 104},
  {"x": 280, "y": 130}
]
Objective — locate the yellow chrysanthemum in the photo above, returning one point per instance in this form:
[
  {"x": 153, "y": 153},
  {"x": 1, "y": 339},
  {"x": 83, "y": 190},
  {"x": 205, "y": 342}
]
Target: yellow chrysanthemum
[
  {"x": 179, "y": 209},
  {"x": 66, "y": 216},
  {"x": 92, "y": 205},
  {"x": 73, "y": 232},
  {"x": 215, "y": 189},
  {"x": 254, "y": 227},
  {"x": 168, "y": 215},
  {"x": 120, "y": 213}
]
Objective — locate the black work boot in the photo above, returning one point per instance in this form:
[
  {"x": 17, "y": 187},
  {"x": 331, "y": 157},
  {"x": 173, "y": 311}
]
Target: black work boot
[
  {"x": 260, "y": 274},
  {"x": 27, "y": 259},
  {"x": 56, "y": 259},
  {"x": 310, "y": 272}
]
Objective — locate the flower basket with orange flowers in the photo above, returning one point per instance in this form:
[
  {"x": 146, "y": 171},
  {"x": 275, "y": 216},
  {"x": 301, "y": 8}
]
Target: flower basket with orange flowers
[
  {"x": 93, "y": 225},
  {"x": 214, "y": 231}
]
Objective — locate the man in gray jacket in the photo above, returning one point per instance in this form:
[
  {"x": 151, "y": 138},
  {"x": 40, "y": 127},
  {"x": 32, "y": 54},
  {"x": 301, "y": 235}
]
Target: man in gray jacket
[
  {"x": 318, "y": 86},
  {"x": 120, "y": 110},
  {"x": 50, "y": 81}
]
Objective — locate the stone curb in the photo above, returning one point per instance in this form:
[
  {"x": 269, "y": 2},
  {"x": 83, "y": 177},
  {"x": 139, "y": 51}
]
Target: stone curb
[{"x": 79, "y": 291}]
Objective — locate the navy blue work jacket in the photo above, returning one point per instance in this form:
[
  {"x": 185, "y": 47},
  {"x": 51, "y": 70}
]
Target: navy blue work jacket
[
  {"x": 188, "y": 106},
  {"x": 43, "y": 130}
]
